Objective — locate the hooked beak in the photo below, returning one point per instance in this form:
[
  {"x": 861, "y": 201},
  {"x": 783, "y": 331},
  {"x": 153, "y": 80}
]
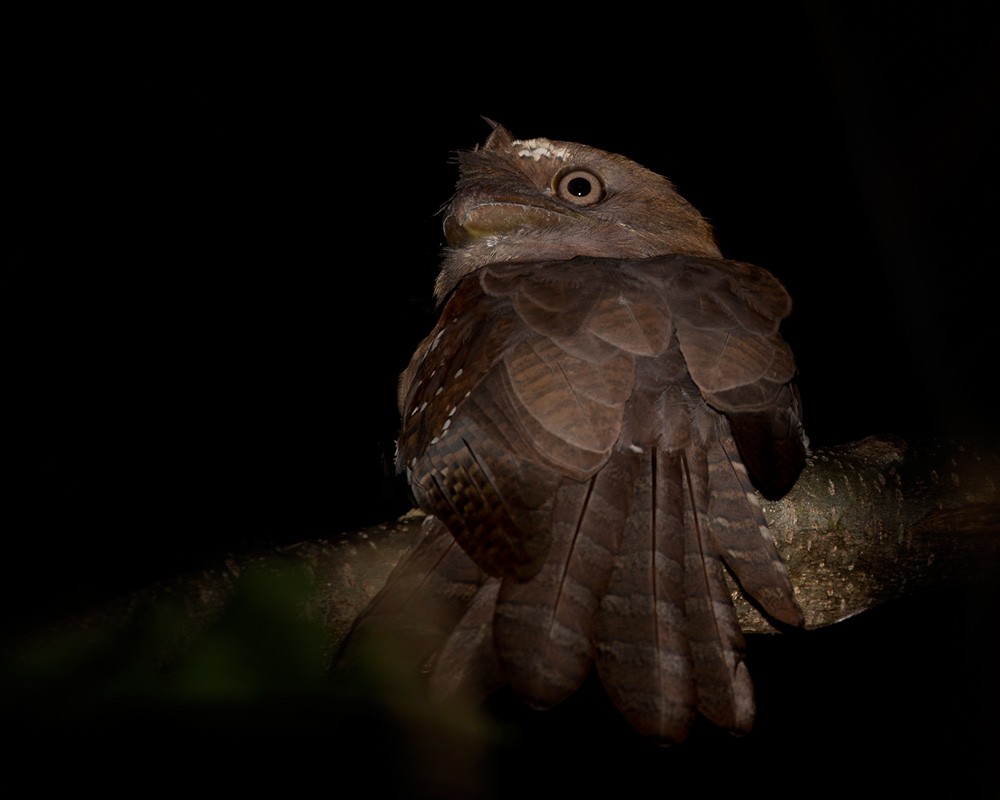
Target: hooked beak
[{"x": 468, "y": 222}]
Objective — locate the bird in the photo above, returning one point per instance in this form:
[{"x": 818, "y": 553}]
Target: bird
[{"x": 589, "y": 427}]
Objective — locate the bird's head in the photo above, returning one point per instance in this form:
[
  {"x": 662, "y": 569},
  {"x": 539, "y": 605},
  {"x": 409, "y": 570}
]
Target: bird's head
[{"x": 538, "y": 200}]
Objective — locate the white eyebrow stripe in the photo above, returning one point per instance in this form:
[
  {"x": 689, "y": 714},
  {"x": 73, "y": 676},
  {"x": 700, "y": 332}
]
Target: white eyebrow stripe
[{"x": 537, "y": 149}]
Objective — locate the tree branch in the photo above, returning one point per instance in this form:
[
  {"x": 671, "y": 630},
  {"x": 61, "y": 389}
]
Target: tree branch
[
  {"x": 880, "y": 520},
  {"x": 867, "y": 523}
]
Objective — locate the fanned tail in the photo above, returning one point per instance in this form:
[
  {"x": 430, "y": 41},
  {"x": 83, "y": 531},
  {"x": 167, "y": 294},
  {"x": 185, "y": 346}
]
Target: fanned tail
[
  {"x": 634, "y": 582},
  {"x": 668, "y": 641}
]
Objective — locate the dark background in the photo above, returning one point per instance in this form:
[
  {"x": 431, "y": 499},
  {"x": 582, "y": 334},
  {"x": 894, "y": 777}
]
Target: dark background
[{"x": 233, "y": 235}]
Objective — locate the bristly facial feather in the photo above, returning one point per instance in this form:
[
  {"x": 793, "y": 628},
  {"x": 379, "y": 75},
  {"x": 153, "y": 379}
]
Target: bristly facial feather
[{"x": 536, "y": 199}]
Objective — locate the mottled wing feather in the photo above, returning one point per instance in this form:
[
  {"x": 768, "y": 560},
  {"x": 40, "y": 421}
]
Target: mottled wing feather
[
  {"x": 541, "y": 404},
  {"x": 496, "y": 504},
  {"x": 573, "y": 407},
  {"x": 727, "y": 315}
]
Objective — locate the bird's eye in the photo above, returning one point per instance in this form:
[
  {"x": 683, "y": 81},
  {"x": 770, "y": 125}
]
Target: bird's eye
[{"x": 580, "y": 187}]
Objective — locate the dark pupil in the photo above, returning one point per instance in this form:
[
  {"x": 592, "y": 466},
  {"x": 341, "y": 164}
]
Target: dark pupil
[{"x": 579, "y": 186}]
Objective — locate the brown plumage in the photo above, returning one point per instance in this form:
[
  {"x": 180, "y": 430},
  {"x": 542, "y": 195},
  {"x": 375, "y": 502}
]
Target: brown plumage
[{"x": 580, "y": 424}]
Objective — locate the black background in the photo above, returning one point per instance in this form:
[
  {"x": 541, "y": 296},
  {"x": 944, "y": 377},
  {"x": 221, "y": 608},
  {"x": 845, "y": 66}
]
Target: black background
[{"x": 233, "y": 233}]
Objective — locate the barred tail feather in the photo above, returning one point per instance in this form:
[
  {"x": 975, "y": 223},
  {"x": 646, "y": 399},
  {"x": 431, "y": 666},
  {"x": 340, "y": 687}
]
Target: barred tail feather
[
  {"x": 544, "y": 626},
  {"x": 422, "y": 601},
  {"x": 724, "y": 689},
  {"x": 740, "y": 534},
  {"x": 642, "y": 651},
  {"x": 467, "y": 665}
]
